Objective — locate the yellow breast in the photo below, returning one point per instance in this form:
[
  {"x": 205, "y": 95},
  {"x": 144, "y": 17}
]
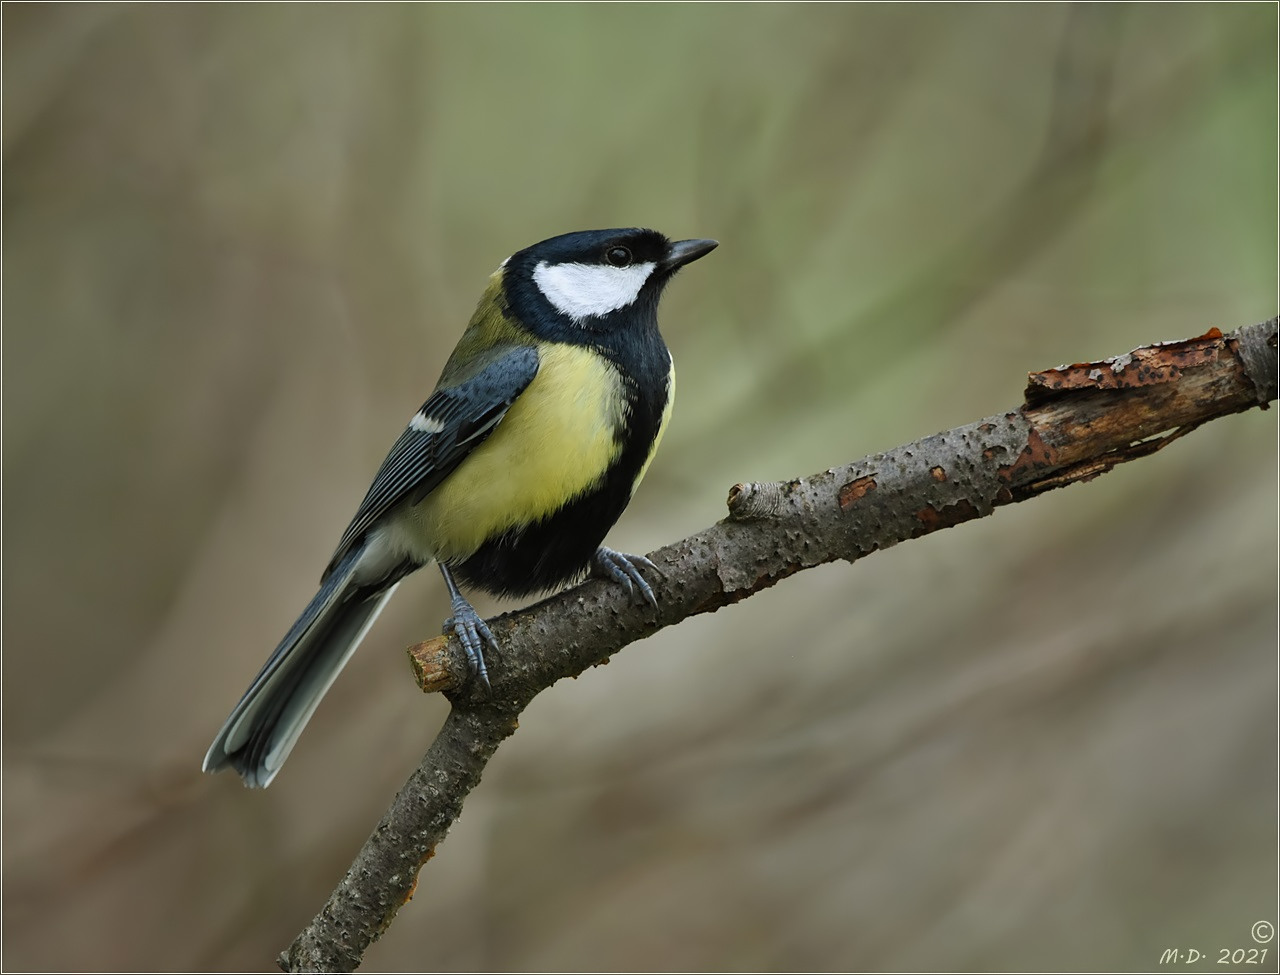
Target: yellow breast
[{"x": 555, "y": 443}]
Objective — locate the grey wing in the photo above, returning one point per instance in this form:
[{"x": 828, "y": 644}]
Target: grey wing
[{"x": 451, "y": 424}]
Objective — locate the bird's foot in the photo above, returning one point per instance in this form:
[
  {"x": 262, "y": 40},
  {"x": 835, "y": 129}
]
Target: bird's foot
[
  {"x": 473, "y": 633},
  {"x": 624, "y": 569}
]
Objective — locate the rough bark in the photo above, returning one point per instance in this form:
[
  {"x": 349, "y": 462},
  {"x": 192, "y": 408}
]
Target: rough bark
[{"x": 1077, "y": 422}]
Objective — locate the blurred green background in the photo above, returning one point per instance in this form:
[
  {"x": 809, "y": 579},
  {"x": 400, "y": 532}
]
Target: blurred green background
[{"x": 240, "y": 242}]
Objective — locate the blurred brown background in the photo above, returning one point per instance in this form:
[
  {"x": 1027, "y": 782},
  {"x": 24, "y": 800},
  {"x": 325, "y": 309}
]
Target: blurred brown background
[{"x": 240, "y": 242}]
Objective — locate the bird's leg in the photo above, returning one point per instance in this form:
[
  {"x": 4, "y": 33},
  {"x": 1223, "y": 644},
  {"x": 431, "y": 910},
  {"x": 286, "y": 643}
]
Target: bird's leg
[
  {"x": 469, "y": 628},
  {"x": 624, "y": 569}
]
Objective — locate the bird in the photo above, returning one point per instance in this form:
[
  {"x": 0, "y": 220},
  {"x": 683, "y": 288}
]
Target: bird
[{"x": 545, "y": 418}]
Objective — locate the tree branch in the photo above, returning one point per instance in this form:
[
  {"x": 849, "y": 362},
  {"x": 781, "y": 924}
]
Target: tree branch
[{"x": 1077, "y": 422}]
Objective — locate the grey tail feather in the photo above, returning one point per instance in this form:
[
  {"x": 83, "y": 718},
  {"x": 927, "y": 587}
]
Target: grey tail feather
[{"x": 263, "y": 727}]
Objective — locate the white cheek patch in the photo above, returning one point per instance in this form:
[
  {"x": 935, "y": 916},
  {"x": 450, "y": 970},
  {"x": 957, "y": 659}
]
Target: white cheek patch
[
  {"x": 589, "y": 290},
  {"x": 425, "y": 424}
]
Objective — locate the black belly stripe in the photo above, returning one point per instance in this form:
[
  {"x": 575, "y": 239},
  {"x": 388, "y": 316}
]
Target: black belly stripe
[{"x": 558, "y": 549}]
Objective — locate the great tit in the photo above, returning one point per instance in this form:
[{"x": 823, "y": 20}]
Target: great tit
[{"x": 541, "y": 426}]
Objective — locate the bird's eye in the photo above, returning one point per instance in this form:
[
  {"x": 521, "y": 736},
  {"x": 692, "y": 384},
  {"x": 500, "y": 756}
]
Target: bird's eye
[{"x": 618, "y": 256}]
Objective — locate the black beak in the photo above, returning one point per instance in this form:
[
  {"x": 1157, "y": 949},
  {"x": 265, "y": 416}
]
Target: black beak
[{"x": 682, "y": 252}]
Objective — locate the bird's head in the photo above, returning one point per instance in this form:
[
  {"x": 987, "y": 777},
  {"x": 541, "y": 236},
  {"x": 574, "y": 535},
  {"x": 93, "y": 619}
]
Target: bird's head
[{"x": 594, "y": 280}]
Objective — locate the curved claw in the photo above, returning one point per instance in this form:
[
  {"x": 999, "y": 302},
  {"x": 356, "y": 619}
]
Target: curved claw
[
  {"x": 473, "y": 633},
  {"x": 469, "y": 628},
  {"x": 624, "y": 569}
]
